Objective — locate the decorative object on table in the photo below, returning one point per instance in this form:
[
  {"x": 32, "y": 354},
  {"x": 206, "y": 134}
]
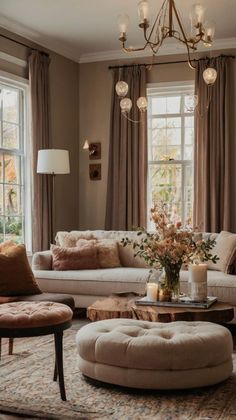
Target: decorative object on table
[
  {"x": 198, "y": 282},
  {"x": 53, "y": 162},
  {"x": 94, "y": 149},
  {"x": 95, "y": 171},
  {"x": 152, "y": 292},
  {"x": 169, "y": 247},
  {"x": 183, "y": 302}
]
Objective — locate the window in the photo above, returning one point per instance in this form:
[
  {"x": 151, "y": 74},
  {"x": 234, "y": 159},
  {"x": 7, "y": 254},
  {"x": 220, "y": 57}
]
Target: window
[
  {"x": 170, "y": 149},
  {"x": 15, "y": 209}
]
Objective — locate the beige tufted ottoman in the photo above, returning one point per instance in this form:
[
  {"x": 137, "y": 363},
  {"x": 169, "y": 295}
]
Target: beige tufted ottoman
[
  {"x": 153, "y": 355},
  {"x": 29, "y": 319}
]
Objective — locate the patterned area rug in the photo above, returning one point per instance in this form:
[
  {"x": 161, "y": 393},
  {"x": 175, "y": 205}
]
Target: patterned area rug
[{"x": 26, "y": 388}]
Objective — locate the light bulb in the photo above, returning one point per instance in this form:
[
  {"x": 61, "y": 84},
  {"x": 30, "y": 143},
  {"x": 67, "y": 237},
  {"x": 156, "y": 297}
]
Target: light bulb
[
  {"x": 122, "y": 88},
  {"x": 209, "y": 32},
  {"x": 142, "y": 104},
  {"x": 209, "y": 76},
  {"x": 125, "y": 105},
  {"x": 123, "y": 23},
  {"x": 143, "y": 12},
  {"x": 197, "y": 14}
]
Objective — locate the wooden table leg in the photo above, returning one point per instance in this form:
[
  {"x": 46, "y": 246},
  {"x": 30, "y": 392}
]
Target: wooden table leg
[
  {"x": 55, "y": 365},
  {"x": 59, "y": 363},
  {"x": 0, "y": 347},
  {"x": 10, "y": 347}
]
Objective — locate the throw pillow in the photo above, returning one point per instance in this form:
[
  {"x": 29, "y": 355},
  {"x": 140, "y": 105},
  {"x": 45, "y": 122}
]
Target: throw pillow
[
  {"x": 225, "y": 249},
  {"x": 16, "y": 276},
  {"x": 108, "y": 254},
  {"x": 80, "y": 257},
  {"x": 69, "y": 239}
]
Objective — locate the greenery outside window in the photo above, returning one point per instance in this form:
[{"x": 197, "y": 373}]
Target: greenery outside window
[
  {"x": 15, "y": 208},
  {"x": 170, "y": 148}
]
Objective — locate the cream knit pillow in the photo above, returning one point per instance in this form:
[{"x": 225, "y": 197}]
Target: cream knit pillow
[{"x": 225, "y": 249}]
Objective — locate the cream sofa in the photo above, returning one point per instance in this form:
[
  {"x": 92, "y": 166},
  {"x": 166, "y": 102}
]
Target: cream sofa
[{"x": 86, "y": 286}]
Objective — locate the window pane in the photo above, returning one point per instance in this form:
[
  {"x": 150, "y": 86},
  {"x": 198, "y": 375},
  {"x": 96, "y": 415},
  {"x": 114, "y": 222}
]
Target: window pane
[
  {"x": 10, "y": 105},
  {"x": 1, "y": 167},
  {"x": 165, "y": 182},
  {"x": 12, "y": 200},
  {"x": 188, "y": 193},
  {"x": 1, "y": 229},
  {"x": 10, "y": 136},
  {"x": 166, "y": 105},
  {"x": 1, "y": 200},
  {"x": 12, "y": 169},
  {"x": 13, "y": 229}
]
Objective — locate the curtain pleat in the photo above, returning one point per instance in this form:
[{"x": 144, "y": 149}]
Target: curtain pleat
[
  {"x": 212, "y": 148},
  {"x": 127, "y": 173},
  {"x": 41, "y": 185}
]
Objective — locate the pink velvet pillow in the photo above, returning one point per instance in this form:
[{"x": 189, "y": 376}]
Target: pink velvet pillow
[{"x": 81, "y": 257}]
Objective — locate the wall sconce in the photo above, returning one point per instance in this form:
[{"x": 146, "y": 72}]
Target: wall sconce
[{"x": 94, "y": 149}]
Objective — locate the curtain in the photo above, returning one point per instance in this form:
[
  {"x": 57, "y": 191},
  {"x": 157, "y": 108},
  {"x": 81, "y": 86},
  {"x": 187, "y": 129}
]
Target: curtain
[
  {"x": 127, "y": 172},
  {"x": 212, "y": 148},
  {"x": 41, "y": 185}
]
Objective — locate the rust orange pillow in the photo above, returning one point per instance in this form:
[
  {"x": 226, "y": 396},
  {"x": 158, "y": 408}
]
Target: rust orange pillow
[
  {"x": 76, "y": 258},
  {"x": 16, "y": 276}
]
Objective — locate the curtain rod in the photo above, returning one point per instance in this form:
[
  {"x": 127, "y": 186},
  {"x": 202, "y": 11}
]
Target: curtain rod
[
  {"x": 167, "y": 62},
  {"x": 24, "y": 45}
]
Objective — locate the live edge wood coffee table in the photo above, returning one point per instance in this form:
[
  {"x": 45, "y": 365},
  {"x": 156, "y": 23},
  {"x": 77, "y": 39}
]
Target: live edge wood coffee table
[{"x": 123, "y": 306}]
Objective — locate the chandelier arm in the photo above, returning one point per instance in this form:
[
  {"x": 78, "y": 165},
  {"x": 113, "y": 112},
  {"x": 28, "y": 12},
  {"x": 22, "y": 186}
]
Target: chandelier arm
[
  {"x": 155, "y": 22},
  {"x": 128, "y": 49},
  {"x": 180, "y": 24},
  {"x": 130, "y": 119}
]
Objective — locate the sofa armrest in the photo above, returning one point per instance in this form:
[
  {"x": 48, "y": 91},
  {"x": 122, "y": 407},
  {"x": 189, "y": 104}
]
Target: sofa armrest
[{"x": 42, "y": 260}]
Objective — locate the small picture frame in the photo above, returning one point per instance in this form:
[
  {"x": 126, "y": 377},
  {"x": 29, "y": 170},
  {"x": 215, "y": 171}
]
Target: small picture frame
[
  {"x": 95, "y": 151},
  {"x": 95, "y": 171}
]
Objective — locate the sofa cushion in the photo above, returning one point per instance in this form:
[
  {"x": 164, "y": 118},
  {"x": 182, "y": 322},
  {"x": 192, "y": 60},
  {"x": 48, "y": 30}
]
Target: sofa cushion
[
  {"x": 101, "y": 282},
  {"x": 75, "y": 258},
  {"x": 42, "y": 260},
  {"x": 225, "y": 249},
  {"x": 16, "y": 276},
  {"x": 108, "y": 254},
  {"x": 69, "y": 239}
]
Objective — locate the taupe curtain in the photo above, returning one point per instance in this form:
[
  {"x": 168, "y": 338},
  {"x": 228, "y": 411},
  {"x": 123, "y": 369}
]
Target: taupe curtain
[
  {"x": 41, "y": 185},
  {"x": 127, "y": 173},
  {"x": 212, "y": 148}
]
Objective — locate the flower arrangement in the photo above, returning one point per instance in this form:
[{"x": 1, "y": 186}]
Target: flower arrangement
[{"x": 170, "y": 246}]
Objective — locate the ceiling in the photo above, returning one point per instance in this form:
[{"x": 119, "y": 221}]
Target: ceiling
[{"x": 86, "y": 30}]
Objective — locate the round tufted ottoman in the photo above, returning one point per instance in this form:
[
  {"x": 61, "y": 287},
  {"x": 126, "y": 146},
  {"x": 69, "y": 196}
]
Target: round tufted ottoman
[
  {"x": 28, "y": 319},
  {"x": 155, "y": 355}
]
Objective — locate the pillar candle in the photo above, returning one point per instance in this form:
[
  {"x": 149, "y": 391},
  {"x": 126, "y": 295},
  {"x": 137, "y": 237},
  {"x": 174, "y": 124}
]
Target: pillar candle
[
  {"x": 198, "y": 282},
  {"x": 152, "y": 292}
]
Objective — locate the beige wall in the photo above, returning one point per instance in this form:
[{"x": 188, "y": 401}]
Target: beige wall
[{"x": 63, "y": 120}]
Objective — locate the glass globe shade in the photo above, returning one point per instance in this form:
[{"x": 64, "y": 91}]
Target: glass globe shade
[
  {"x": 209, "y": 32},
  {"x": 125, "y": 105},
  {"x": 122, "y": 88},
  {"x": 143, "y": 11},
  {"x": 190, "y": 102},
  {"x": 197, "y": 14},
  {"x": 123, "y": 23},
  {"x": 209, "y": 76},
  {"x": 142, "y": 104}
]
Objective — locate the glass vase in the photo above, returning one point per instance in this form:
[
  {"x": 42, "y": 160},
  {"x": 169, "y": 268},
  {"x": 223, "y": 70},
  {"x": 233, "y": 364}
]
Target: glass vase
[{"x": 170, "y": 281}]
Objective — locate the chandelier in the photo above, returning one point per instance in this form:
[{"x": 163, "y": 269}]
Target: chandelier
[{"x": 167, "y": 24}]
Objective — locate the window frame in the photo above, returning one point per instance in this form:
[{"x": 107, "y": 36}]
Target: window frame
[
  {"x": 169, "y": 89},
  {"x": 13, "y": 81}
]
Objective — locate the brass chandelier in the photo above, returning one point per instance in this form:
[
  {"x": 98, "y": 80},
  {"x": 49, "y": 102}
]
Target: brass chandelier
[{"x": 168, "y": 24}]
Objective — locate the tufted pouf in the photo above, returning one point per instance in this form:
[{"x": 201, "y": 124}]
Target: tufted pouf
[
  {"x": 28, "y": 319},
  {"x": 155, "y": 355}
]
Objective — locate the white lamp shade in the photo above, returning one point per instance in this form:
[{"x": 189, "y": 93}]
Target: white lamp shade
[{"x": 53, "y": 161}]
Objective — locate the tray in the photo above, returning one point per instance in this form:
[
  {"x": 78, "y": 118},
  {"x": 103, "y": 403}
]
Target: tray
[{"x": 183, "y": 302}]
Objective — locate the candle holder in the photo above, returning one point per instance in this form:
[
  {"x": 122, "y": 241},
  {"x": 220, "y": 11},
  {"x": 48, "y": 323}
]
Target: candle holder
[{"x": 198, "y": 282}]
